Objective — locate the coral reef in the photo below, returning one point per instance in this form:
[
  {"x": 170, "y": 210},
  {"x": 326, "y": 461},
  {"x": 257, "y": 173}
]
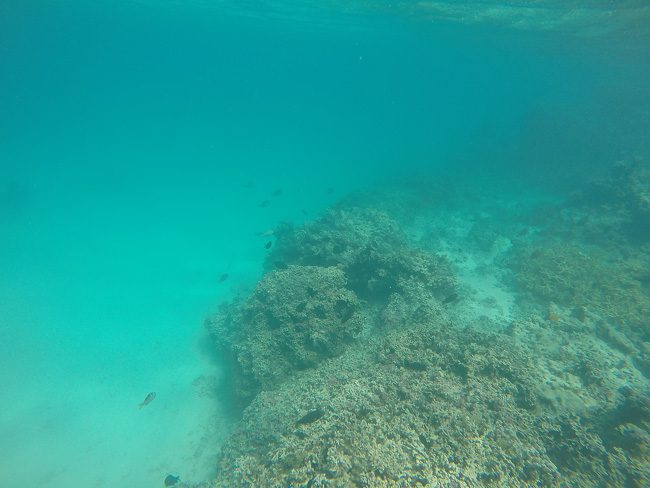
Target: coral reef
[
  {"x": 434, "y": 405},
  {"x": 596, "y": 420},
  {"x": 593, "y": 255},
  {"x": 369, "y": 247},
  {"x": 308, "y": 307},
  {"x": 360, "y": 365},
  {"x": 585, "y": 278},
  {"x": 294, "y": 319},
  {"x": 418, "y": 406}
]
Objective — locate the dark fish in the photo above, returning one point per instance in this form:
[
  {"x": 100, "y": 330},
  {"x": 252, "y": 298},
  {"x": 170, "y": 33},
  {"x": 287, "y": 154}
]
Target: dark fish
[
  {"x": 249, "y": 184},
  {"x": 268, "y": 245},
  {"x": 264, "y": 204},
  {"x": 277, "y": 192},
  {"x": 330, "y": 190},
  {"x": 523, "y": 232},
  {"x": 451, "y": 298},
  {"x": 223, "y": 277},
  {"x": 311, "y": 416},
  {"x": 171, "y": 480},
  {"x": 148, "y": 399}
]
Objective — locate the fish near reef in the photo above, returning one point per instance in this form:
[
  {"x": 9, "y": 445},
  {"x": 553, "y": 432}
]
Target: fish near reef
[
  {"x": 451, "y": 298},
  {"x": 172, "y": 480},
  {"x": 311, "y": 417},
  {"x": 266, "y": 233},
  {"x": 268, "y": 245},
  {"x": 148, "y": 399},
  {"x": 223, "y": 277},
  {"x": 264, "y": 204}
]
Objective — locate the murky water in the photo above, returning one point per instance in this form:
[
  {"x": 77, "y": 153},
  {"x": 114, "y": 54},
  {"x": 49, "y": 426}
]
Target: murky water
[{"x": 419, "y": 231}]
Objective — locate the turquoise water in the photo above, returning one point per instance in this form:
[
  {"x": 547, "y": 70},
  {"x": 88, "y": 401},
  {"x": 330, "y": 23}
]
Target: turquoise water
[{"x": 145, "y": 145}]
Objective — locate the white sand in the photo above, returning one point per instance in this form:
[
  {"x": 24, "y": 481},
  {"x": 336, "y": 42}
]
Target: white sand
[{"x": 104, "y": 295}]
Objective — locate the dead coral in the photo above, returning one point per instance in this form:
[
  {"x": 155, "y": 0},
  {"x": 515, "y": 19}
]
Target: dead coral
[
  {"x": 595, "y": 416},
  {"x": 294, "y": 319},
  {"x": 611, "y": 447},
  {"x": 578, "y": 276},
  {"x": 427, "y": 401},
  {"x": 369, "y": 247},
  {"x": 423, "y": 406}
]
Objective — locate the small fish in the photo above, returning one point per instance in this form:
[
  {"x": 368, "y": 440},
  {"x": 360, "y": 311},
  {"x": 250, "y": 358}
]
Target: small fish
[
  {"x": 330, "y": 190},
  {"x": 249, "y": 184},
  {"x": 265, "y": 233},
  {"x": 523, "y": 232},
  {"x": 268, "y": 245},
  {"x": 148, "y": 399},
  {"x": 277, "y": 192},
  {"x": 311, "y": 416},
  {"x": 223, "y": 278},
  {"x": 451, "y": 298},
  {"x": 171, "y": 480},
  {"x": 264, "y": 204}
]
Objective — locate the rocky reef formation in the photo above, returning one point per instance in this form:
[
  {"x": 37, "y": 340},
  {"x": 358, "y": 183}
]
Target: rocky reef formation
[
  {"x": 544, "y": 404},
  {"x": 587, "y": 280},
  {"x": 426, "y": 405},
  {"x": 369, "y": 247},
  {"x": 358, "y": 365},
  {"x": 323, "y": 282},
  {"x": 591, "y": 259},
  {"x": 594, "y": 418},
  {"x": 294, "y": 319}
]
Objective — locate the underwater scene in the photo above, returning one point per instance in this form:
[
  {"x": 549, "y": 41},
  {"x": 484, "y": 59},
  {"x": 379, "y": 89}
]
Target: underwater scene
[{"x": 307, "y": 244}]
